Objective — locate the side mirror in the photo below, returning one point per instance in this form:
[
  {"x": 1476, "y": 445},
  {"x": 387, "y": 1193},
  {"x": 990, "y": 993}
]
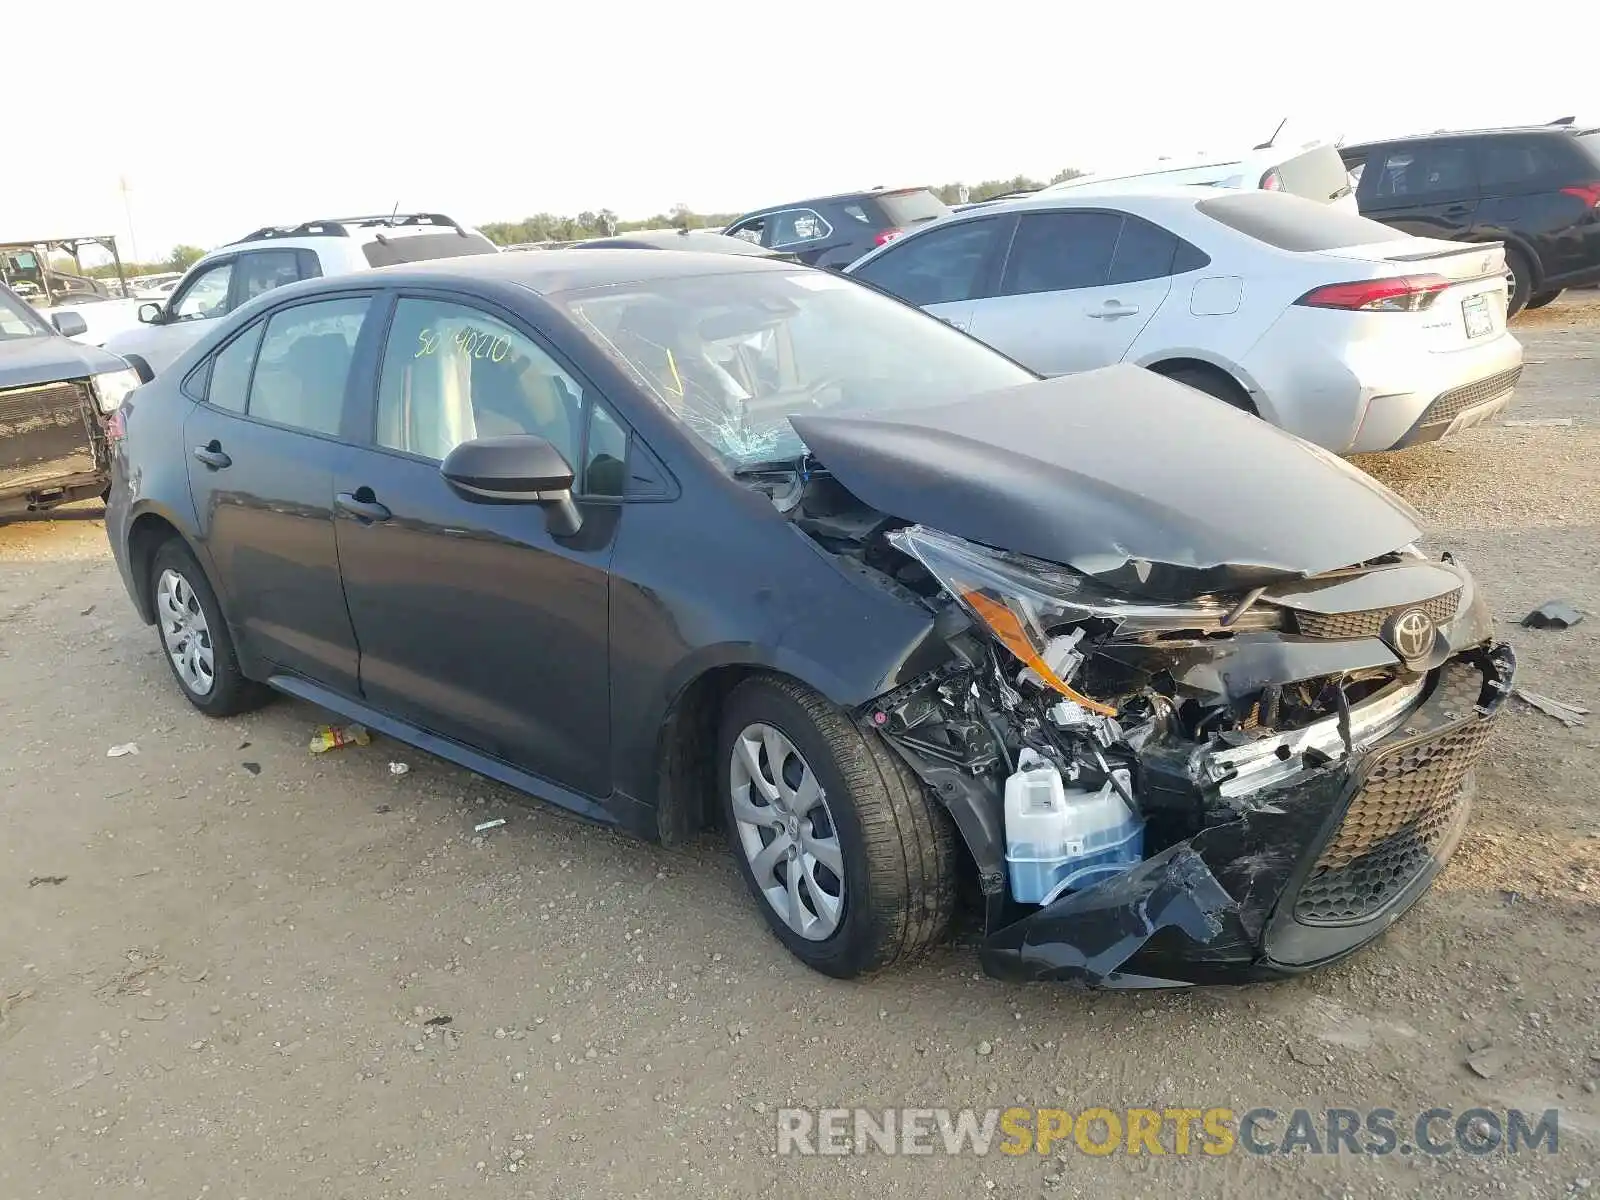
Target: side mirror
[
  {"x": 150, "y": 313},
  {"x": 69, "y": 324},
  {"x": 522, "y": 469}
]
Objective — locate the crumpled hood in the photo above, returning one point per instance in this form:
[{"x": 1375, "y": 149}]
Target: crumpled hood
[
  {"x": 1121, "y": 474},
  {"x": 49, "y": 358}
]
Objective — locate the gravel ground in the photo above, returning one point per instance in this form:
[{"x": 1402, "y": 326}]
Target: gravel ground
[{"x": 229, "y": 993}]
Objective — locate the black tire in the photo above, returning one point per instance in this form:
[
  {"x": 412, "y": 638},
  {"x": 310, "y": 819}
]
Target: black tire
[
  {"x": 229, "y": 691},
  {"x": 897, "y": 843},
  {"x": 1519, "y": 271},
  {"x": 1540, "y": 299},
  {"x": 1213, "y": 383}
]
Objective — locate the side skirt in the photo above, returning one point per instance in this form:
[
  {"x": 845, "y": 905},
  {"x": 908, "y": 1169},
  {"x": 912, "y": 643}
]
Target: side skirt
[{"x": 619, "y": 811}]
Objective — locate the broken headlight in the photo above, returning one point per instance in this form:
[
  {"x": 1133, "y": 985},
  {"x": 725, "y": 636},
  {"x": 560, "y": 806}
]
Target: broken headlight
[{"x": 1022, "y": 601}]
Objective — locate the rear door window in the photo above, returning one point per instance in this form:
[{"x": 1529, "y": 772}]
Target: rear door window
[
  {"x": 304, "y": 364},
  {"x": 1518, "y": 164},
  {"x": 1061, "y": 251},
  {"x": 938, "y": 267},
  {"x": 1144, "y": 251},
  {"x": 260, "y": 271},
  {"x": 1293, "y": 223},
  {"x": 795, "y": 227}
]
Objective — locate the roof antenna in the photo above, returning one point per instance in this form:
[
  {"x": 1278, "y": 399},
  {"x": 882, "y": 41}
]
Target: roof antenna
[
  {"x": 1564, "y": 121},
  {"x": 1267, "y": 145},
  {"x": 395, "y": 213}
]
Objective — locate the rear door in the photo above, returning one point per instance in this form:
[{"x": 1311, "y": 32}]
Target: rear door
[
  {"x": 1429, "y": 188},
  {"x": 1077, "y": 288},
  {"x": 262, "y": 444},
  {"x": 1524, "y": 180},
  {"x": 945, "y": 269}
]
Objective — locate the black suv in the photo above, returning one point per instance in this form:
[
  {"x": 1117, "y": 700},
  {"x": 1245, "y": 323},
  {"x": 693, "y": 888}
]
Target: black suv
[
  {"x": 1537, "y": 189},
  {"x": 834, "y": 231}
]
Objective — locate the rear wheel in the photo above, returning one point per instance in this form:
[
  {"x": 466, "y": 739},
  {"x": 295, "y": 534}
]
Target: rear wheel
[
  {"x": 1212, "y": 382},
  {"x": 1519, "y": 281},
  {"x": 194, "y": 636},
  {"x": 851, "y": 861},
  {"x": 1540, "y": 299}
]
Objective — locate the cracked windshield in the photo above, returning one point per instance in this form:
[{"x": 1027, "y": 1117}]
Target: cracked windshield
[{"x": 733, "y": 355}]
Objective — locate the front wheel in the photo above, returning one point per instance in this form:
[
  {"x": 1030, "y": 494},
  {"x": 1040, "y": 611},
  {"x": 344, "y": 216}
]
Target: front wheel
[
  {"x": 851, "y": 861},
  {"x": 194, "y": 635}
]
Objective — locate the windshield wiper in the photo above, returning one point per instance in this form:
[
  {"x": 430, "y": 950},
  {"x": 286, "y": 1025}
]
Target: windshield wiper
[{"x": 798, "y": 464}]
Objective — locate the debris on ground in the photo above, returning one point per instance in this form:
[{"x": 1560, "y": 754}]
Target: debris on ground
[
  {"x": 1570, "y": 715},
  {"x": 438, "y": 1020},
  {"x": 1552, "y": 615},
  {"x": 85, "y": 612},
  {"x": 7, "y": 1003},
  {"x": 1539, "y": 423},
  {"x": 253, "y": 767},
  {"x": 494, "y": 824},
  {"x": 52, "y": 879},
  {"x": 1488, "y": 1062},
  {"x": 332, "y": 737},
  {"x": 125, "y": 749},
  {"x": 399, "y": 768}
]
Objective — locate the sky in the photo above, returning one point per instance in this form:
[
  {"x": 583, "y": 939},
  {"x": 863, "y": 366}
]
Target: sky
[{"x": 221, "y": 117}]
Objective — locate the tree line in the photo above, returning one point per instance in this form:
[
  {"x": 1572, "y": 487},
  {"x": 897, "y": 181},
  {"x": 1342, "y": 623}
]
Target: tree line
[{"x": 551, "y": 227}]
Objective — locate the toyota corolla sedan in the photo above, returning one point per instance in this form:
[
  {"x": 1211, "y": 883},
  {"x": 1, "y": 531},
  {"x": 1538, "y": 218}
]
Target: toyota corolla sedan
[
  {"x": 677, "y": 540},
  {"x": 1343, "y": 331}
]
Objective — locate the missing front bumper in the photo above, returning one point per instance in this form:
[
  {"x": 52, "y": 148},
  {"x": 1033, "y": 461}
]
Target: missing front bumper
[{"x": 1309, "y": 872}]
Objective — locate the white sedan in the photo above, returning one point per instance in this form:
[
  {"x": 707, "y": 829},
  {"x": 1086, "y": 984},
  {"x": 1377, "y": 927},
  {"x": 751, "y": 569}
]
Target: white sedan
[{"x": 1343, "y": 331}]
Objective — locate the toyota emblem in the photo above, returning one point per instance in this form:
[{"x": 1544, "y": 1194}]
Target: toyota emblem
[{"x": 1410, "y": 634}]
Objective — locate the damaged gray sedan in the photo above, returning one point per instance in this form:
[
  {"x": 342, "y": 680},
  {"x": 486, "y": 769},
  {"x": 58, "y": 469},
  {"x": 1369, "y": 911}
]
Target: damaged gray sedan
[{"x": 679, "y": 539}]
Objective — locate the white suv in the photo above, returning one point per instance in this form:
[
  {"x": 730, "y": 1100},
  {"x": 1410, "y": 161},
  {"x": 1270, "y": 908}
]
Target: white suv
[
  {"x": 279, "y": 254},
  {"x": 1315, "y": 171}
]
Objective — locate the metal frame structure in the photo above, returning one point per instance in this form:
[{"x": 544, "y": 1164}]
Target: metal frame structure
[{"x": 43, "y": 248}]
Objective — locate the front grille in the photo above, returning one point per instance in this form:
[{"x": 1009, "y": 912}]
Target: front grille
[
  {"x": 1447, "y": 406},
  {"x": 1368, "y": 622},
  {"x": 1409, "y": 800}
]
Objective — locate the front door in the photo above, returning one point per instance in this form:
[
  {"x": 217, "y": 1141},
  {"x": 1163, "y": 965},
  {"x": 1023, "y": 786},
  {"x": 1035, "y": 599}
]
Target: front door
[
  {"x": 1066, "y": 301},
  {"x": 474, "y": 621},
  {"x": 261, "y": 451}
]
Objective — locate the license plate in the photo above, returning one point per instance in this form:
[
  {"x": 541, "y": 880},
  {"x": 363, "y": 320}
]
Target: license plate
[{"x": 1476, "y": 311}]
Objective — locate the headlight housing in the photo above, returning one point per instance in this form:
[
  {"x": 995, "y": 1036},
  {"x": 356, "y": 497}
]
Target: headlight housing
[
  {"x": 112, "y": 388},
  {"x": 1021, "y": 600}
]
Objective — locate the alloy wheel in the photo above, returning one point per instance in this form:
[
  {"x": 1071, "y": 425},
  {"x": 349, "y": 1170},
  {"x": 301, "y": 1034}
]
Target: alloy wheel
[
  {"x": 185, "y": 633},
  {"x": 787, "y": 832}
]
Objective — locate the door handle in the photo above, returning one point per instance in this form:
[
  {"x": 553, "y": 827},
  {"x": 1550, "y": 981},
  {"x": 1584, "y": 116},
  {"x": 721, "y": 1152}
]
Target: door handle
[
  {"x": 211, "y": 454},
  {"x": 1457, "y": 210},
  {"x": 362, "y": 505},
  {"x": 1114, "y": 309}
]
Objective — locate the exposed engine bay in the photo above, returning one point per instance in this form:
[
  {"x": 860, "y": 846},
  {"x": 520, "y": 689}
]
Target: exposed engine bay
[{"x": 1222, "y": 737}]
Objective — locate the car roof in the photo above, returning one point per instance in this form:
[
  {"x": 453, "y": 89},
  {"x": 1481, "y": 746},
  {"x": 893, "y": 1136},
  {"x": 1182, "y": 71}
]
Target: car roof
[
  {"x": 1156, "y": 199},
  {"x": 1499, "y": 131},
  {"x": 860, "y": 194},
  {"x": 549, "y": 271}
]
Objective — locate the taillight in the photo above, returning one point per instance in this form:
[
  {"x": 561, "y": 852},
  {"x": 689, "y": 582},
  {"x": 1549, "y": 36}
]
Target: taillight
[
  {"x": 1589, "y": 193},
  {"x": 1272, "y": 181},
  {"x": 1407, "y": 293},
  {"x": 886, "y": 235}
]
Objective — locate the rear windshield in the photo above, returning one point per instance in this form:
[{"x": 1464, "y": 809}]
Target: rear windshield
[
  {"x": 1292, "y": 223},
  {"x": 419, "y": 247},
  {"x": 1318, "y": 174},
  {"x": 907, "y": 208}
]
